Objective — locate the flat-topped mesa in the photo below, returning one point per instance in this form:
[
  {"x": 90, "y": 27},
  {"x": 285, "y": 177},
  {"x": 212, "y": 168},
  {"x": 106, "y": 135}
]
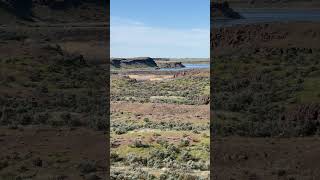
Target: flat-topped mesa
[
  {"x": 161, "y": 59},
  {"x": 141, "y": 62},
  {"x": 223, "y": 11}
]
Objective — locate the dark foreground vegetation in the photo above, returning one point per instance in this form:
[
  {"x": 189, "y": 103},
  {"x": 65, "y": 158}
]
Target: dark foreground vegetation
[
  {"x": 53, "y": 94},
  {"x": 273, "y": 95},
  {"x": 265, "y": 93},
  {"x": 59, "y": 90},
  {"x": 266, "y": 79}
]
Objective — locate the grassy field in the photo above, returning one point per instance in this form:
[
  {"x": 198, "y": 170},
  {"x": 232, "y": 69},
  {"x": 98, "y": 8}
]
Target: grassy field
[{"x": 160, "y": 128}]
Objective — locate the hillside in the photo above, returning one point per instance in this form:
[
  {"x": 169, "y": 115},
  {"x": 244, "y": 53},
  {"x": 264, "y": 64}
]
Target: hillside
[
  {"x": 247, "y": 39},
  {"x": 53, "y": 97},
  {"x": 294, "y": 4},
  {"x": 223, "y": 11},
  {"x": 42, "y": 11},
  {"x": 265, "y": 97},
  {"x": 267, "y": 79}
]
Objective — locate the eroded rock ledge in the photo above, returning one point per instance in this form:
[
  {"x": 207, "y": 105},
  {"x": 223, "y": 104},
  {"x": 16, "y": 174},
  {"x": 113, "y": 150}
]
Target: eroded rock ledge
[
  {"x": 223, "y": 11},
  {"x": 144, "y": 62},
  {"x": 133, "y": 62}
]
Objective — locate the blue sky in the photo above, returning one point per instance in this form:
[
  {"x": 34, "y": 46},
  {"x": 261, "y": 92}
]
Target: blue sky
[{"x": 160, "y": 28}]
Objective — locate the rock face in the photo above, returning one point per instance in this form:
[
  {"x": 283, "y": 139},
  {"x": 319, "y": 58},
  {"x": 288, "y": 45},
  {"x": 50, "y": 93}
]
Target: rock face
[
  {"x": 223, "y": 11},
  {"x": 140, "y": 62},
  {"x": 144, "y": 62},
  {"x": 170, "y": 65}
]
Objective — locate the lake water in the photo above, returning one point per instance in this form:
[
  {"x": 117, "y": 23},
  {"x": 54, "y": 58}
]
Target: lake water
[
  {"x": 188, "y": 67},
  {"x": 196, "y": 66},
  {"x": 270, "y": 15}
]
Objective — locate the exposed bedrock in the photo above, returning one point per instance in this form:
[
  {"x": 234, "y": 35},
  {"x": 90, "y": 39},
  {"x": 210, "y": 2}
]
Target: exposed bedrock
[
  {"x": 223, "y": 11},
  {"x": 170, "y": 65},
  {"x": 133, "y": 62}
]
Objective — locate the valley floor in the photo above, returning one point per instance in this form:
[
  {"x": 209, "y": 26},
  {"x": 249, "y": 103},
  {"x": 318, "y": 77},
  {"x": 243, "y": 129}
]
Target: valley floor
[{"x": 160, "y": 128}]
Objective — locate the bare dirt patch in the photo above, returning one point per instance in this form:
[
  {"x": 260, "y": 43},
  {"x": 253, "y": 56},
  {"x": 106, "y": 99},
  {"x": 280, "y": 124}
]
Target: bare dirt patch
[
  {"x": 265, "y": 158},
  {"x": 44, "y": 153},
  {"x": 163, "y": 112},
  {"x": 151, "y": 77}
]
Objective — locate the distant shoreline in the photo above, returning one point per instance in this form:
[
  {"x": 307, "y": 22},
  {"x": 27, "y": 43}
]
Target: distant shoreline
[{"x": 236, "y": 4}]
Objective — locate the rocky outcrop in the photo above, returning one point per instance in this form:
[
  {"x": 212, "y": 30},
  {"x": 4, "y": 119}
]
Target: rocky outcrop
[
  {"x": 223, "y": 11},
  {"x": 167, "y": 64},
  {"x": 144, "y": 62},
  {"x": 140, "y": 62}
]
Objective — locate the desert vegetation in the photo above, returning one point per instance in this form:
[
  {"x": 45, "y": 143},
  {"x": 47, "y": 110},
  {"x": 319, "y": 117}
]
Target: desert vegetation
[
  {"x": 53, "y": 98},
  {"x": 66, "y": 83},
  {"x": 273, "y": 92},
  {"x": 265, "y": 100},
  {"x": 184, "y": 90},
  {"x": 160, "y": 129}
]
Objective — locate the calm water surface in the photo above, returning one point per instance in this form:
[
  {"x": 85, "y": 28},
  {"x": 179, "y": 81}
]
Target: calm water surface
[{"x": 188, "y": 67}]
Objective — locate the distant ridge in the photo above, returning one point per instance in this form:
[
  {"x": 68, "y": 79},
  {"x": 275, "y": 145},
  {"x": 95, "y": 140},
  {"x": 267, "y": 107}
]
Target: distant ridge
[{"x": 52, "y": 11}]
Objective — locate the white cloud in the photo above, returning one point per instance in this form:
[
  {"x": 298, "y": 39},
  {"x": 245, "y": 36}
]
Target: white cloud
[{"x": 131, "y": 38}]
